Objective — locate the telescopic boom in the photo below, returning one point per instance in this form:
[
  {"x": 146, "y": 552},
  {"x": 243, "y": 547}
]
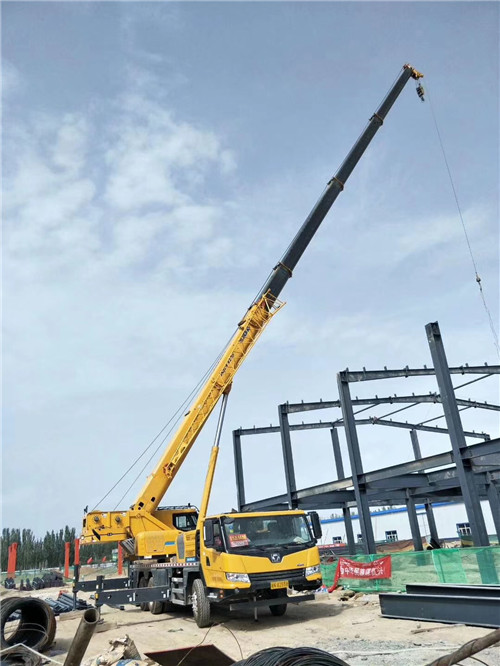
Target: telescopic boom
[
  {"x": 283, "y": 270},
  {"x": 249, "y": 329}
]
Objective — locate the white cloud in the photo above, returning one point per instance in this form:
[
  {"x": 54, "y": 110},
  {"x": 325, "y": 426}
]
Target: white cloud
[
  {"x": 145, "y": 200},
  {"x": 154, "y": 160},
  {"x": 70, "y": 148},
  {"x": 12, "y": 81}
]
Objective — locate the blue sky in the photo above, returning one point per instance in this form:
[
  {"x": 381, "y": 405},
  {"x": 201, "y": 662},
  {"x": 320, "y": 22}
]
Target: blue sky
[{"x": 158, "y": 158}]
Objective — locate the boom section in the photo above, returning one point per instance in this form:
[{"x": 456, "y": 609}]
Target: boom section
[
  {"x": 283, "y": 270},
  {"x": 247, "y": 334}
]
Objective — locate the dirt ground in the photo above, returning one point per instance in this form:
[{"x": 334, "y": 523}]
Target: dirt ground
[{"x": 353, "y": 630}]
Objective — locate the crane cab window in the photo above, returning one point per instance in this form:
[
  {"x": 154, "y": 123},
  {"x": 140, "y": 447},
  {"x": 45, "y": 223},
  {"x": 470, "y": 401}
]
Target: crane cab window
[
  {"x": 218, "y": 544},
  {"x": 185, "y": 521}
]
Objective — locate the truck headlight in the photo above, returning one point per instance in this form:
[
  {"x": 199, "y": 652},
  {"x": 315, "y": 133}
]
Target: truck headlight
[
  {"x": 237, "y": 578},
  {"x": 310, "y": 571}
]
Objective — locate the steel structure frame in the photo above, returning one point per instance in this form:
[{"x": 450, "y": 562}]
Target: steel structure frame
[{"x": 473, "y": 473}]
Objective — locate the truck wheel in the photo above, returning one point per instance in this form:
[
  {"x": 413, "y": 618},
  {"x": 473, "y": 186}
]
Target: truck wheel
[
  {"x": 155, "y": 607},
  {"x": 144, "y": 605},
  {"x": 278, "y": 610},
  {"x": 201, "y": 605}
]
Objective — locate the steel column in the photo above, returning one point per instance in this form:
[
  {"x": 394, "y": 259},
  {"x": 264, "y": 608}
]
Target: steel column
[
  {"x": 365, "y": 521},
  {"x": 494, "y": 499},
  {"x": 413, "y": 519},
  {"x": 238, "y": 469},
  {"x": 286, "y": 445},
  {"x": 417, "y": 454},
  {"x": 431, "y": 521},
  {"x": 346, "y": 512},
  {"x": 457, "y": 438}
]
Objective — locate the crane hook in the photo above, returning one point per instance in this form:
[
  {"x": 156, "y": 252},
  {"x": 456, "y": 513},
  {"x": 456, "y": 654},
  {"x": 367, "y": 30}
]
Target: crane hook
[{"x": 421, "y": 91}]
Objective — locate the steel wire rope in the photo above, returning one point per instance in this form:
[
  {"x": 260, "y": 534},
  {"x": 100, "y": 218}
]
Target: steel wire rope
[
  {"x": 478, "y": 279},
  {"x": 178, "y": 414},
  {"x": 195, "y": 646},
  {"x": 234, "y": 636}
]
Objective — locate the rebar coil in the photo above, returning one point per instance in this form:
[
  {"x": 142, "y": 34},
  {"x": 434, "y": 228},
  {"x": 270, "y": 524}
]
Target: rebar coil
[
  {"x": 36, "y": 625},
  {"x": 282, "y": 656}
]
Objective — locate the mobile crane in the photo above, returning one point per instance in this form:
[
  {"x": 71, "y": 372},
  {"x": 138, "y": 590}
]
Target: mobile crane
[{"x": 180, "y": 556}]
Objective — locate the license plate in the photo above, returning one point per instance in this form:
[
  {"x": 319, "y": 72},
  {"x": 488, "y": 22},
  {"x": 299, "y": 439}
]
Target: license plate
[{"x": 279, "y": 584}]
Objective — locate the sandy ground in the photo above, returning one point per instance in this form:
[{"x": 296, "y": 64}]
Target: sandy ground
[{"x": 352, "y": 630}]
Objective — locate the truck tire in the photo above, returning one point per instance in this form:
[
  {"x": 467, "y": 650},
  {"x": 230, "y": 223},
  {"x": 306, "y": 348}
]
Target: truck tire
[
  {"x": 144, "y": 605},
  {"x": 155, "y": 607},
  {"x": 278, "y": 610},
  {"x": 201, "y": 605}
]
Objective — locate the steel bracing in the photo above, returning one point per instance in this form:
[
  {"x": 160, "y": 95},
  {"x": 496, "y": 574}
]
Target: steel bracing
[{"x": 471, "y": 474}]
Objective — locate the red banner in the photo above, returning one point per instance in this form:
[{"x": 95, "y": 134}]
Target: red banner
[{"x": 349, "y": 569}]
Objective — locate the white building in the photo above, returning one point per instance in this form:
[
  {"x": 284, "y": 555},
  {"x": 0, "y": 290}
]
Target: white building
[{"x": 392, "y": 524}]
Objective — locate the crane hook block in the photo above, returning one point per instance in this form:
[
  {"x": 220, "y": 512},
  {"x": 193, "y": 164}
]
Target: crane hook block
[
  {"x": 421, "y": 92},
  {"x": 415, "y": 74}
]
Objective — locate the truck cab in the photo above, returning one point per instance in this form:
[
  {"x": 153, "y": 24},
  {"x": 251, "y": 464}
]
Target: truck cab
[{"x": 245, "y": 560}]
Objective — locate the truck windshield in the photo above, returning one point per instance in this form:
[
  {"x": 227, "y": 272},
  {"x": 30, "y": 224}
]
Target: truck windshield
[{"x": 263, "y": 531}]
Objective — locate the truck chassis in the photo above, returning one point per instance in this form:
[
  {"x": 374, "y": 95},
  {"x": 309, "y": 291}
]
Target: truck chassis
[{"x": 160, "y": 586}]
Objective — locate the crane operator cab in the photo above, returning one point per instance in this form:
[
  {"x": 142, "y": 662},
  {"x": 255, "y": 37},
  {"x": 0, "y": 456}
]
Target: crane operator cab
[{"x": 177, "y": 520}]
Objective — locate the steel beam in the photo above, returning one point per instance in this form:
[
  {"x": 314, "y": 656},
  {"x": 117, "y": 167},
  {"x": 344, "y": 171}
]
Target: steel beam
[
  {"x": 293, "y": 408},
  {"x": 475, "y": 611},
  {"x": 238, "y": 469},
  {"x": 369, "y": 375},
  {"x": 457, "y": 437},
  {"x": 415, "y": 426},
  {"x": 487, "y": 448},
  {"x": 266, "y": 430},
  {"x": 492, "y": 591},
  {"x": 356, "y": 465}
]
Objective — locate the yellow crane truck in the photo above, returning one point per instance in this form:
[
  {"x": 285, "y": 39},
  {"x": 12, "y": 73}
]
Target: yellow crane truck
[{"x": 179, "y": 556}]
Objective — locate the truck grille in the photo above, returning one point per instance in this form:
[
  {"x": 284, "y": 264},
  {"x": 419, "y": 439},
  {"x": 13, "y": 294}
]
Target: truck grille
[{"x": 291, "y": 575}]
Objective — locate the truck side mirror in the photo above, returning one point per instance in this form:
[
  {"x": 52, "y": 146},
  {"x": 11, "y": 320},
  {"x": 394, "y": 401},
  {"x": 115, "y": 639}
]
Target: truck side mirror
[
  {"x": 316, "y": 524},
  {"x": 208, "y": 534}
]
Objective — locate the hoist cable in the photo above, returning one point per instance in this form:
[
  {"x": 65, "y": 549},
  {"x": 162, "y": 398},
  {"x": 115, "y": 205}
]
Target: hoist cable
[
  {"x": 176, "y": 416},
  {"x": 179, "y": 410},
  {"x": 478, "y": 279}
]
